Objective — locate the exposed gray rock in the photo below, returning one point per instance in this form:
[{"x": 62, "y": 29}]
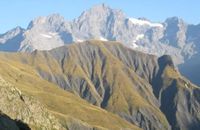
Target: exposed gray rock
[
  {"x": 173, "y": 37},
  {"x": 11, "y": 40}
]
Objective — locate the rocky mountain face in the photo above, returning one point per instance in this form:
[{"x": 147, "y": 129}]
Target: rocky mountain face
[
  {"x": 11, "y": 40},
  {"x": 173, "y": 37},
  {"x": 144, "y": 90}
]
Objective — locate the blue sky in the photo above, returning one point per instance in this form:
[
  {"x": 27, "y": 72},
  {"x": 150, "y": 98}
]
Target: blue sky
[{"x": 20, "y": 12}]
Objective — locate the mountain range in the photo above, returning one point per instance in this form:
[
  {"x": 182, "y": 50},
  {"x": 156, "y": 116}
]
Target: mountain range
[
  {"x": 173, "y": 36},
  {"x": 100, "y": 71},
  {"x": 97, "y": 85},
  {"x": 40, "y": 104}
]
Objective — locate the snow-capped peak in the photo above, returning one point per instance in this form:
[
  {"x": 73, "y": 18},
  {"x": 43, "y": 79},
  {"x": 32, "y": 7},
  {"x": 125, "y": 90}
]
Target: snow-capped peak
[{"x": 145, "y": 22}]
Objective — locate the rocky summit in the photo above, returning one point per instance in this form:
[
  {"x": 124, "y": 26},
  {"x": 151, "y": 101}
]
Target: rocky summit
[
  {"x": 97, "y": 85},
  {"x": 172, "y": 37}
]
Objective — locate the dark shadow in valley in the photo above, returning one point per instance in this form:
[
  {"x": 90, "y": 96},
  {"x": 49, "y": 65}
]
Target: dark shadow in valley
[
  {"x": 168, "y": 107},
  {"x": 6, "y": 123},
  {"x": 21, "y": 125},
  {"x": 163, "y": 61}
]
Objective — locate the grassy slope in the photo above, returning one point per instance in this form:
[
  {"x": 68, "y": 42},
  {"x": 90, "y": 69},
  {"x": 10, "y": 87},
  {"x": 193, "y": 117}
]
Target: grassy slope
[
  {"x": 124, "y": 97},
  {"x": 61, "y": 103}
]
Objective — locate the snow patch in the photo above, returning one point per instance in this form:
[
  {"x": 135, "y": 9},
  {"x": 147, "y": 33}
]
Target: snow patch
[
  {"x": 53, "y": 33},
  {"x": 140, "y": 36},
  {"x": 79, "y": 40},
  {"x": 46, "y": 35},
  {"x": 2, "y": 41},
  {"x": 49, "y": 35},
  {"x": 145, "y": 22},
  {"x": 134, "y": 45},
  {"x": 103, "y": 39}
]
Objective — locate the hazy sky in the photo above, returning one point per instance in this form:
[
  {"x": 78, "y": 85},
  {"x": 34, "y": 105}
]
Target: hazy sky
[{"x": 20, "y": 12}]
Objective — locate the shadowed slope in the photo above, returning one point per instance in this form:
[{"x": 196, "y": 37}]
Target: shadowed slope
[
  {"x": 6, "y": 123},
  {"x": 179, "y": 98}
]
